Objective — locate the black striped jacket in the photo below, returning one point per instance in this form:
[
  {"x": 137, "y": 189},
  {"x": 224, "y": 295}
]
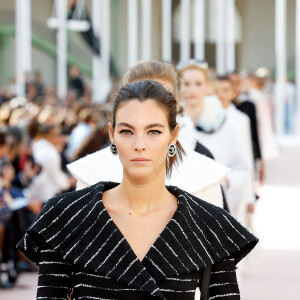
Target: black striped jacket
[{"x": 77, "y": 245}]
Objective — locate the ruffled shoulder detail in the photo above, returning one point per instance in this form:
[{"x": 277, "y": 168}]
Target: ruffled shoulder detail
[
  {"x": 98, "y": 166},
  {"x": 223, "y": 235},
  {"x": 195, "y": 173},
  {"x": 79, "y": 228},
  {"x": 59, "y": 222}
]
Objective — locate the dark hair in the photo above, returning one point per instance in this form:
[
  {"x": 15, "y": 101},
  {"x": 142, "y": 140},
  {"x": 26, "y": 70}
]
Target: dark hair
[
  {"x": 94, "y": 142},
  {"x": 3, "y": 135},
  {"x": 153, "y": 70},
  {"x": 223, "y": 78},
  {"x": 34, "y": 128},
  {"x": 142, "y": 91}
]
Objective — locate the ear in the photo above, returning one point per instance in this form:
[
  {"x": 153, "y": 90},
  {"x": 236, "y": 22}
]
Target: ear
[
  {"x": 175, "y": 134},
  {"x": 111, "y": 132}
]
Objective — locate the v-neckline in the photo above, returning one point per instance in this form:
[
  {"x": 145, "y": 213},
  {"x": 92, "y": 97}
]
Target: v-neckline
[{"x": 109, "y": 218}]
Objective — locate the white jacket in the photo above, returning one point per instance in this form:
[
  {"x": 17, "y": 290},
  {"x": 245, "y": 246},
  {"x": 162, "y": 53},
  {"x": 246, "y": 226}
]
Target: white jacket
[
  {"x": 197, "y": 174},
  {"x": 227, "y": 146},
  {"x": 51, "y": 180}
]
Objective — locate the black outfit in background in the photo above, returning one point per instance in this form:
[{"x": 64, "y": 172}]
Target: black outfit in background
[
  {"x": 77, "y": 85},
  {"x": 203, "y": 150},
  {"x": 248, "y": 108},
  {"x": 76, "y": 244}
]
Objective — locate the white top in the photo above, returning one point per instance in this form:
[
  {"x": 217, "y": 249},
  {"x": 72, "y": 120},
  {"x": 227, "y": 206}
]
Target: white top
[
  {"x": 266, "y": 133},
  {"x": 78, "y": 135},
  {"x": 51, "y": 180},
  {"x": 243, "y": 122},
  {"x": 197, "y": 174},
  {"x": 228, "y": 149},
  {"x": 187, "y": 135}
]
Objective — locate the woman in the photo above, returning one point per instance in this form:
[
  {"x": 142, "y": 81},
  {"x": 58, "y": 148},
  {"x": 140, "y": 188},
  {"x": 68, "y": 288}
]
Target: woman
[
  {"x": 51, "y": 180},
  {"x": 253, "y": 89},
  {"x": 138, "y": 239},
  {"x": 225, "y": 95},
  {"x": 198, "y": 174},
  {"x": 215, "y": 130}
]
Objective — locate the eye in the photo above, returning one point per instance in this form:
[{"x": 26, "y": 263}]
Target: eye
[
  {"x": 125, "y": 132},
  {"x": 198, "y": 83},
  {"x": 154, "y": 132}
]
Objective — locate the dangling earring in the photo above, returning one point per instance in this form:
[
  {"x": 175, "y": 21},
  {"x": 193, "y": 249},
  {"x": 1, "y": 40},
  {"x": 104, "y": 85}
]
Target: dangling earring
[
  {"x": 172, "y": 150},
  {"x": 113, "y": 148}
]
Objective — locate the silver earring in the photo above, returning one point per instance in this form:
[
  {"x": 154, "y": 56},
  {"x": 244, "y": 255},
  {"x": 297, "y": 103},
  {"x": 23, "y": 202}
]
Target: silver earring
[
  {"x": 113, "y": 148},
  {"x": 172, "y": 150}
]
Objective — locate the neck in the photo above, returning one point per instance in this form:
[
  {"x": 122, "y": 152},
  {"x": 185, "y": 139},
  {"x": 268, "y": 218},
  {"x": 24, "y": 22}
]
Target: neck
[
  {"x": 236, "y": 100},
  {"x": 226, "y": 104},
  {"x": 144, "y": 196},
  {"x": 194, "y": 111}
]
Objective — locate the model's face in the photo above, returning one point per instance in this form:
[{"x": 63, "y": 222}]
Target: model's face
[
  {"x": 3, "y": 150},
  {"x": 194, "y": 86},
  {"x": 53, "y": 136},
  {"x": 247, "y": 85},
  {"x": 225, "y": 92},
  {"x": 142, "y": 136}
]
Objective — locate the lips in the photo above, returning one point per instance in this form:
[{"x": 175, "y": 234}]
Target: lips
[{"x": 140, "y": 159}]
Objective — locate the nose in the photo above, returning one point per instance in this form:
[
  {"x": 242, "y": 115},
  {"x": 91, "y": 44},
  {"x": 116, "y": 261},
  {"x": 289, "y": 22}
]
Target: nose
[{"x": 139, "y": 144}]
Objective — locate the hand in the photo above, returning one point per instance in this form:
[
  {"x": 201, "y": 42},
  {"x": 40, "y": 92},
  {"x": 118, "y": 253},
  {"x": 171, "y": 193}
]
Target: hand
[
  {"x": 30, "y": 171},
  {"x": 251, "y": 208},
  {"x": 72, "y": 180},
  {"x": 227, "y": 182},
  {"x": 8, "y": 174},
  {"x": 35, "y": 206},
  {"x": 261, "y": 171}
]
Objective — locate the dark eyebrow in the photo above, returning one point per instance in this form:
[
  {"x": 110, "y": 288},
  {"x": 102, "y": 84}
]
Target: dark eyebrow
[
  {"x": 154, "y": 125},
  {"x": 147, "y": 127},
  {"x": 125, "y": 124}
]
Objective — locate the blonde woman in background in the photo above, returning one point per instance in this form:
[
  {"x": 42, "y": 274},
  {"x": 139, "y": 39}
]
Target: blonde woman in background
[{"x": 215, "y": 130}]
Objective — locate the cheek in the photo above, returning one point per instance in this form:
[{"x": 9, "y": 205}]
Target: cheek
[
  {"x": 160, "y": 146},
  {"x": 159, "y": 150},
  {"x": 156, "y": 147},
  {"x": 186, "y": 90},
  {"x": 202, "y": 88},
  {"x": 124, "y": 145}
]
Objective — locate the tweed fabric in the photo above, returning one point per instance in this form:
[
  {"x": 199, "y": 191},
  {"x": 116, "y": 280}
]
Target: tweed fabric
[{"x": 77, "y": 244}]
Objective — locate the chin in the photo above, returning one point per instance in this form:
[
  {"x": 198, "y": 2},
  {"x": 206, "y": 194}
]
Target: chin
[
  {"x": 139, "y": 173},
  {"x": 192, "y": 101}
]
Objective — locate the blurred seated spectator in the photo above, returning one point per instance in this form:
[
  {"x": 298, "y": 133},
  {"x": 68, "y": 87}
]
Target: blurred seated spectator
[
  {"x": 39, "y": 87},
  {"x": 87, "y": 122},
  {"x": 76, "y": 83},
  {"x": 51, "y": 180},
  {"x": 97, "y": 140},
  {"x": 15, "y": 217}
]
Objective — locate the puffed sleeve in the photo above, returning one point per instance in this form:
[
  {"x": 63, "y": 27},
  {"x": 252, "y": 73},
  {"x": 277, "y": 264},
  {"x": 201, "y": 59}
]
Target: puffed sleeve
[{"x": 55, "y": 277}]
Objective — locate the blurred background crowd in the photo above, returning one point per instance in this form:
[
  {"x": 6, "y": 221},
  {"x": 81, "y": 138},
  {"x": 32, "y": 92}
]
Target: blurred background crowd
[
  {"x": 40, "y": 135},
  {"x": 55, "y": 118}
]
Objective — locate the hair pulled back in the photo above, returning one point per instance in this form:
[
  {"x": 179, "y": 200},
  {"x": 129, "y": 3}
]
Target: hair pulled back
[
  {"x": 145, "y": 90},
  {"x": 35, "y": 128},
  {"x": 193, "y": 64},
  {"x": 152, "y": 70}
]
